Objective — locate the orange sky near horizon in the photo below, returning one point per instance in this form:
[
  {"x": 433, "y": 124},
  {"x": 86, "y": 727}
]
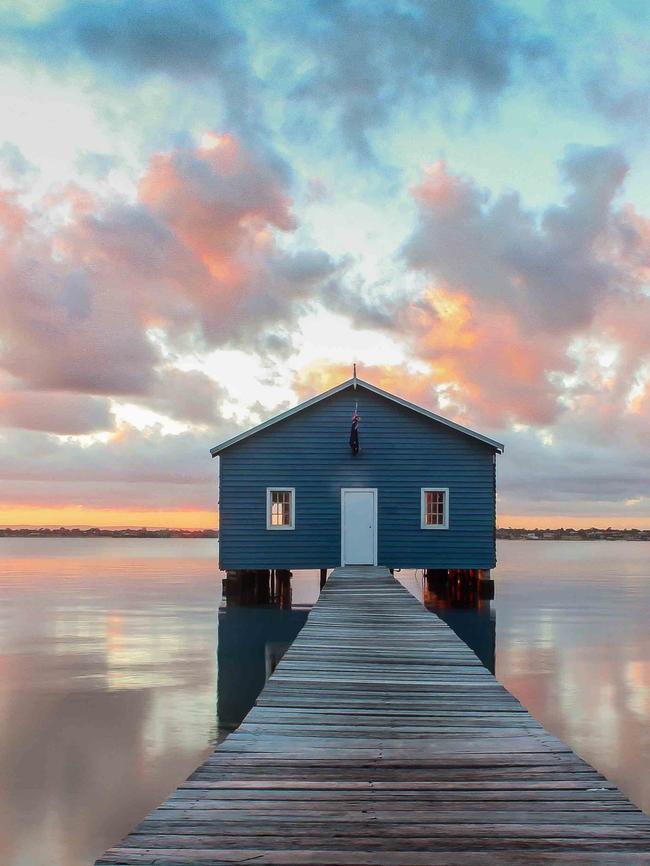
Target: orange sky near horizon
[
  {"x": 616, "y": 521},
  {"x": 70, "y": 515}
]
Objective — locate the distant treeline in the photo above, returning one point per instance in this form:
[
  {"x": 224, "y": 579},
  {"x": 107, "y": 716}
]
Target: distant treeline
[
  {"x": 68, "y": 532},
  {"x": 592, "y": 534},
  {"x": 505, "y": 532}
]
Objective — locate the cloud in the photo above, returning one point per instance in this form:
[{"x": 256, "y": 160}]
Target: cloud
[
  {"x": 574, "y": 474},
  {"x": 67, "y": 326},
  {"x": 13, "y": 164},
  {"x": 187, "y": 395},
  {"x": 361, "y": 59},
  {"x": 485, "y": 366},
  {"x": 129, "y": 455},
  {"x": 133, "y": 470},
  {"x": 621, "y": 103},
  {"x": 195, "y": 257},
  {"x": 190, "y": 39},
  {"x": 95, "y": 165},
  {"x": 511, "y": 290},
  {"x": 61, "y": 413},
  {"x": 191, "y": 43},
  {"x": 224, "y": 206},
  {"x": 604, "y": 49},
  {"x": 551, "y": 270}
]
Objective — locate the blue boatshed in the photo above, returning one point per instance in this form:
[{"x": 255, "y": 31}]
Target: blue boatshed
[{"x": 419, "y": 493}]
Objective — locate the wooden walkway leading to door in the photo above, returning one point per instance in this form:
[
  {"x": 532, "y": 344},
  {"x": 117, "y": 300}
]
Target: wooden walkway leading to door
[{"x": 380, "y": 739}]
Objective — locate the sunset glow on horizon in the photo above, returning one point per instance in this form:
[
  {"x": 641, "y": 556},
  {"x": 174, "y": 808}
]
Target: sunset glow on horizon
[
  {"x": 70, "y": 517},
  {"x": 208, "y": 214},
  {"x": 73, "y": 516}
]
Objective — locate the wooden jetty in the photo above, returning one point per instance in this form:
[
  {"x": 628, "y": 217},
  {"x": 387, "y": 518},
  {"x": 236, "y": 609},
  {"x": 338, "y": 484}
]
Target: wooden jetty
[{"x": 381, "y": 739}]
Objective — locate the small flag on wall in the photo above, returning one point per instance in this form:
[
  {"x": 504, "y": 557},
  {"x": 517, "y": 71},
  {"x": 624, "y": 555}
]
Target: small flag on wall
[{"x": 354, "y": 432}]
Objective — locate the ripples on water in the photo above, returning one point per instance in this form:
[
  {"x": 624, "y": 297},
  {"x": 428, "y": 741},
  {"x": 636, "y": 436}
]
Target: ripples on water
[{"x": 108, "y": 670}]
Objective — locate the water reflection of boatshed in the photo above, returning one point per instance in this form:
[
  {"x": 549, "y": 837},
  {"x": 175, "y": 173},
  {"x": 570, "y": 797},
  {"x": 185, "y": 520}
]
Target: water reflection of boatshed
[
  {"x": 252, "y": 640},
  {"x": 357, "y": 476}
]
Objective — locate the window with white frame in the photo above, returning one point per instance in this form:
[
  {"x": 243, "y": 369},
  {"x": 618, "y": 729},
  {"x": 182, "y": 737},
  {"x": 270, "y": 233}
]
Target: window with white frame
[
  {"x": 434, "y": 508},
  {"x": 280, "y": 507}
]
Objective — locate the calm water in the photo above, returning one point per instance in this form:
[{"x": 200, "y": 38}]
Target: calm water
[{"x": 115, "y": 681}]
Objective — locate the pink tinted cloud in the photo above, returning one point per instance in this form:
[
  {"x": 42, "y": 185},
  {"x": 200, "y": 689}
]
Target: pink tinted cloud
[
  {"x": 55, "y": 412},
  {"x": 211, "y": 195},
  {"x": 487, "y": 366},
  {"x": 512, "y": 290},
  {"x": 550, "y": 270},
  {"x": 197, "y": 256},
  {"x": 224, "y": 208}
]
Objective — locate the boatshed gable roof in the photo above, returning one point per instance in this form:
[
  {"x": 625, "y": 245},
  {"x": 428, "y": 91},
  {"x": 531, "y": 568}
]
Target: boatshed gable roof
[{"x": 349, "y": 383}]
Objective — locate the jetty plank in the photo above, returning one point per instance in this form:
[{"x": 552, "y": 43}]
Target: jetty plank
[{"x": 381, "y": 740}]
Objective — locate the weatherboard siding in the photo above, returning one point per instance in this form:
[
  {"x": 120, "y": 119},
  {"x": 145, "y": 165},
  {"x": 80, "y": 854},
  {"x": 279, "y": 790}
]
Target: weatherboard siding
[{"x": 401, "y": 452}]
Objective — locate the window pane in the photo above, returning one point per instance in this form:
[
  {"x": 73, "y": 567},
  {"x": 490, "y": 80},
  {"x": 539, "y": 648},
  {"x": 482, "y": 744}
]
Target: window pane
[
  {"x": 434, "y": 508},
  {"x": 280, "y": 508}
]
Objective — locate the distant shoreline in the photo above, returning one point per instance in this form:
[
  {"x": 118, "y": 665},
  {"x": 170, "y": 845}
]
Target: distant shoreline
[
  {"x": 92, "y": 532},
  {"x": 592, "y": 534}
]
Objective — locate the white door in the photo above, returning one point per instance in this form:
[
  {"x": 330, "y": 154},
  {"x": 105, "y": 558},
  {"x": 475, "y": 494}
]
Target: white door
[{"x": 358, "y": 526}]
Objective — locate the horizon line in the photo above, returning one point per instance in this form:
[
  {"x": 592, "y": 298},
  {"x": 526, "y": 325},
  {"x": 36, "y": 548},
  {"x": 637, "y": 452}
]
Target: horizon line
[{"x": 150, "y": 528}]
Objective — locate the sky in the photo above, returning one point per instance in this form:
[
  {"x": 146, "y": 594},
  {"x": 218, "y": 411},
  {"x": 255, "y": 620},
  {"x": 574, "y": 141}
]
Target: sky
[{"x": 210, "y": 210}]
